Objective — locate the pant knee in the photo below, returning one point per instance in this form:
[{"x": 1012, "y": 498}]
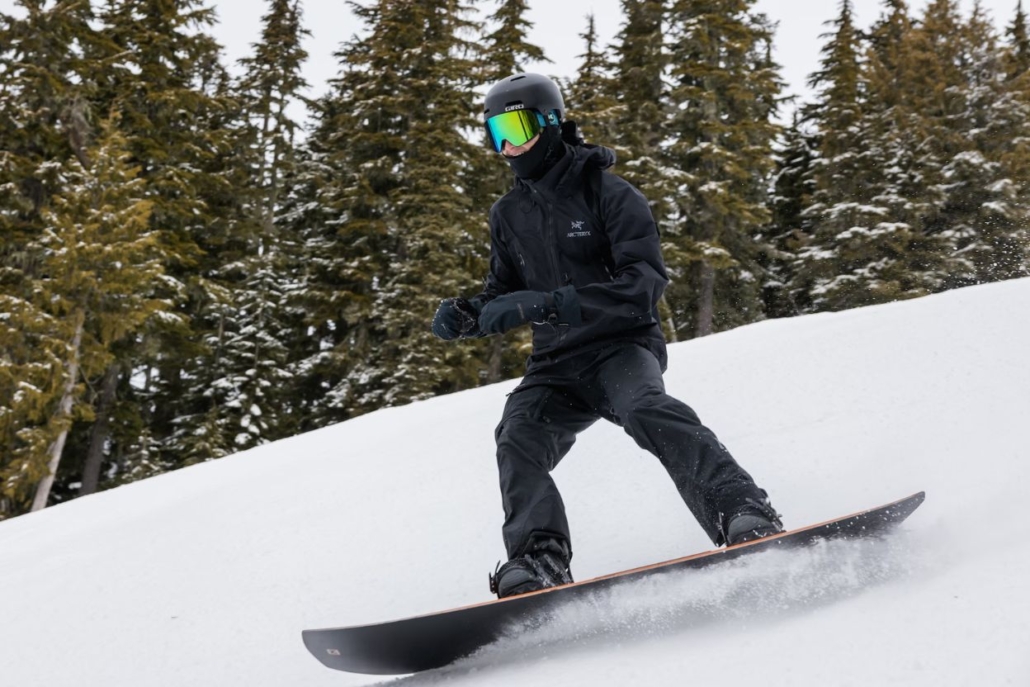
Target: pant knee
[
  {"x": 523, "y": 443},
  {"x": 657, "y": 407}
]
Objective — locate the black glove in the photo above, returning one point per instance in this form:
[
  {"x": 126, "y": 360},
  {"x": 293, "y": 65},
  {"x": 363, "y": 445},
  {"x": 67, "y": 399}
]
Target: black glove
[
  {"x": 456, "y": 318},
  {"x": 511, "y": 310}
]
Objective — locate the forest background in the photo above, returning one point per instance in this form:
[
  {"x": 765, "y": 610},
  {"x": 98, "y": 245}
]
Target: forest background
[{"x": 185, "y": 272}]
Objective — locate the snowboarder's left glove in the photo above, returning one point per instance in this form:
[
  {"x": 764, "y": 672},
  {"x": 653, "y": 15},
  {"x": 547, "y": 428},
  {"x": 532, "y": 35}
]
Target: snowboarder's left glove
[
  {"x": 456, "y": 318},
  {"x": 511, "y": 310}
]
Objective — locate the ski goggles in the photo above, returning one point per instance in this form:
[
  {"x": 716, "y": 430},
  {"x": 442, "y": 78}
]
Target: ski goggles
[{"x": 516, "y": 127}]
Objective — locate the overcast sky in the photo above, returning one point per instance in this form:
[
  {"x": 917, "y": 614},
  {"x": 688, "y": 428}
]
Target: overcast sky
[{"x": 557, "y": 25}]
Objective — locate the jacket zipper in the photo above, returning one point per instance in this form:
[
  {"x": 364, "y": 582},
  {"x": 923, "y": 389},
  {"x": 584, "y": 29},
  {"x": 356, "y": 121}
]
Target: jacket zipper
[
  {"x": 552, "y": 251},
  {"x": 552, "y": 241}
]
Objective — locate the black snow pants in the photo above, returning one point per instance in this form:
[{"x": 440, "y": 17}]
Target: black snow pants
[{"x": 622, "y": 384}]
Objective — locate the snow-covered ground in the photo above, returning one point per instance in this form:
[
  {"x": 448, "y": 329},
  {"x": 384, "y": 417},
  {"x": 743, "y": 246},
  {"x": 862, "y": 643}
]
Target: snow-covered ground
[{"x": 208, "y": 575}]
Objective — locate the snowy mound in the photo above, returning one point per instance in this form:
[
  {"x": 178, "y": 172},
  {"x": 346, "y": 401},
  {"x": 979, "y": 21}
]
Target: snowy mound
[{"x": 207, "y": 576}]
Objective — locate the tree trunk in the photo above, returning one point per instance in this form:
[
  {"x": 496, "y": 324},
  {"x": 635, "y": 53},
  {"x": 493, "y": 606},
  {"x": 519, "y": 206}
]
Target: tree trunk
[
  {"x": 664, "y": 309},
  {"x": 706, "y": 300},
  {"x": 101, "y": 431},
  {"x": 64, "y": 411},
  {"x": 78, "y": 131},
  {"x": 494, "y": 369}
]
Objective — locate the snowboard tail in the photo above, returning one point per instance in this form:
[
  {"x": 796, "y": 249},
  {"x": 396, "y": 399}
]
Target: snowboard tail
[{"x": 432, "y": 641}]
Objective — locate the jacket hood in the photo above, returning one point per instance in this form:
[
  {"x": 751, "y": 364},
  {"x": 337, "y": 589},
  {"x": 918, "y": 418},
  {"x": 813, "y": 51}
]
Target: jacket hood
[
  {"x": 585, "y": 157},
  {"x": 570, "y": 173},
  {"x": 595, "y": 155},
  {"x": 592, "y": 155}
]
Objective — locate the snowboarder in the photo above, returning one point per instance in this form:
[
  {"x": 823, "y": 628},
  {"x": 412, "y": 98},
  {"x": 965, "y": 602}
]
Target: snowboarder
[{"x": 575, "y": 253}]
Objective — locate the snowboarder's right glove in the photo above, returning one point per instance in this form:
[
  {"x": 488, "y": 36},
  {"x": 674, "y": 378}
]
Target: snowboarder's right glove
[
  {"x": 456, "y": 318},
  {"x": 511, "y": 310}
]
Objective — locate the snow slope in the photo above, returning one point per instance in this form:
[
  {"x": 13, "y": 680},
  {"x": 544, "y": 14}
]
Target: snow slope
[{"x": 207, "y": 576}]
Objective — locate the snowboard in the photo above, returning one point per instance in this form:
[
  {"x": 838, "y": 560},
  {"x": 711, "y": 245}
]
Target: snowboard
[{"x": 432, "y": 641}]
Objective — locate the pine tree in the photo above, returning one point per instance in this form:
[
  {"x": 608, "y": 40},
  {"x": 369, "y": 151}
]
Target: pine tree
[
  {"x": 590, "y": 97},
  {"x": 31, "y": 382},
  {"x": 48, "y": 68},
  {"x": 838, "y": 81},
  {"x": 341, "y": 212},
  {"x": 100, "y": 256},
  {"x": 724, "y": 90},
  {"x": 924, "y": 126},
  {"x": 307, "y": 230},
  {"x": 1017, "y": 57},
  {"x": 986, "y": 208},
  {"x": 272, "y": 82},
  {"x": 436, "y": 249},
  {"x": 878, "y": 196},
  {"x": 790, "y": 226},
  {"x": 249, "y": 392},
  {"x": 848, "y": 170},
  {"x": 938, "y": 89},
  {"x": 506, "y": 50},
  {"x": 640, "y": 121},
  {"x": 389, "y": 230},
  {"x": 889, "y": 45},
  {"x": 1012, "y": 142},
  {"x": 837, "y": 191},
  {"x": 172, "y": 95}
]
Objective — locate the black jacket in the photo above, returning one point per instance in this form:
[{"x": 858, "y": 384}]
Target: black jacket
[{"x": 585, "y": 228}]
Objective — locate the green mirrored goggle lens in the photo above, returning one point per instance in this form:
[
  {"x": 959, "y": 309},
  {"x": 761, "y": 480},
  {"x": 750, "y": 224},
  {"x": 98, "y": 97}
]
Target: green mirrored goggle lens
[{"x": 516, "y": 127}]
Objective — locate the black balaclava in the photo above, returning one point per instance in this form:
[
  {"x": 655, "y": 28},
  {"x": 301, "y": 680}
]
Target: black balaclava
[{"x": 538, "y": 160}]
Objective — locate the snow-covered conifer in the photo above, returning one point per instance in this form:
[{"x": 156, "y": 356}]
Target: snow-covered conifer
[{"x": 724, "y": 89}]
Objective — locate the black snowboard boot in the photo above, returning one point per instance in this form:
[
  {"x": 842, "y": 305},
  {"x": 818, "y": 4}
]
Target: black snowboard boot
[
  {"x": 545, "y": 565},
  {"x": 754, "y": 520}
]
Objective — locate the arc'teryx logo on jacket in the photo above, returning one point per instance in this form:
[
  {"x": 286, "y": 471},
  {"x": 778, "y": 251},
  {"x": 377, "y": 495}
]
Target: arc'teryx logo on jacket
[
  {"x": 613, "y": 260},
  {"x": 578, "y": 231}
]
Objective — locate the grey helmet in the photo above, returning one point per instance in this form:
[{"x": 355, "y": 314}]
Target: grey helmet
[{"x": 526, "y": 91}]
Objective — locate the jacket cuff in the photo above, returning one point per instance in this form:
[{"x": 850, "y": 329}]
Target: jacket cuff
[
  {"x": 478, "y": 302},
  {"x": 567, "y": 307}
]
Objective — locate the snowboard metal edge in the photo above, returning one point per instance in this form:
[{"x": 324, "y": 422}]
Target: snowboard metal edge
[{"x": 359, "y": 648}]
